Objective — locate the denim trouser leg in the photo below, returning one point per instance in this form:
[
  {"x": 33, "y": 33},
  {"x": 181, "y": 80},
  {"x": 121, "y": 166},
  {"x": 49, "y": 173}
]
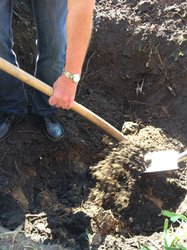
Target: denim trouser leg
[
  {"x": 13, "y": 98},
  {"x": 50, "y": 17}
]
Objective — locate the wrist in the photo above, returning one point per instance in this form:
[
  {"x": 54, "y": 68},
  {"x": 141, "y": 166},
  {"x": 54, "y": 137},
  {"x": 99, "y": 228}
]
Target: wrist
[{"x": 73, "y": 69}]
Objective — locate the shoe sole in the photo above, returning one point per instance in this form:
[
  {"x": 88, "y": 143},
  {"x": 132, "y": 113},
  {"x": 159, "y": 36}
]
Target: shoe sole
[
  {"x": 50, "y": 138},
  {"x": 17, "y": 121},
  {"x": 6, "y": 136}
]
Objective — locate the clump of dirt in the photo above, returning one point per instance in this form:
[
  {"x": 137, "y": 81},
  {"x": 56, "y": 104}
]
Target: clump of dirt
[
  {"x": 89, "y": 191},
  {"x": 131, "y": 194}
]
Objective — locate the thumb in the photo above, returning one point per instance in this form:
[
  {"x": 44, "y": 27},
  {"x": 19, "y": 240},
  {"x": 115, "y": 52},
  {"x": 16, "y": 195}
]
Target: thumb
[{"x": 52, "y": 101}]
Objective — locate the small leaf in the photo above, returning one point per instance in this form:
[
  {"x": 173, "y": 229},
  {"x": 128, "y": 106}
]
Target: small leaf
[{"x": 173, "y": 216}]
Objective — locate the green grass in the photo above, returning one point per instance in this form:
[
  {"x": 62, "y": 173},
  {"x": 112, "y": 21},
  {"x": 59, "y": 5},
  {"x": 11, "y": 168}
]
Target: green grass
[
  {"x": 174, "y": 233},
  {"x": 174, "y": 237}
]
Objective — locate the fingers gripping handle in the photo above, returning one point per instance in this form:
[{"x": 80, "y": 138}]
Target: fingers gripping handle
[{"x": 48, "y": 90}]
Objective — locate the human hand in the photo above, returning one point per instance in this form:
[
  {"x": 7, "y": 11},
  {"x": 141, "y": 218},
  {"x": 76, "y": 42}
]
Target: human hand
[{"x": 64, "y": 91}]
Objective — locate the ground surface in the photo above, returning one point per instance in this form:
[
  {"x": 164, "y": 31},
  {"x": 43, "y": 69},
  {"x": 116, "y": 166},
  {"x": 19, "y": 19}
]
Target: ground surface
[{"x": 88, "y": 191}]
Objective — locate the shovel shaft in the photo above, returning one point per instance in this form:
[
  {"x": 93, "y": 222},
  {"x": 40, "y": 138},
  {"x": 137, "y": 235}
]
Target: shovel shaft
[{"x": 48, "y": 90}]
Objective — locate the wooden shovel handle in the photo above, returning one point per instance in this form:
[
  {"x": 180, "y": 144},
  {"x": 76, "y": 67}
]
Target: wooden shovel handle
[{"x": 48, "y": 90}]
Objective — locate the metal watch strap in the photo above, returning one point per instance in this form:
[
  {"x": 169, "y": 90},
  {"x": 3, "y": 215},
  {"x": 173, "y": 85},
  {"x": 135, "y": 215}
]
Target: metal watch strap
[{"x": 73, "y": 77}]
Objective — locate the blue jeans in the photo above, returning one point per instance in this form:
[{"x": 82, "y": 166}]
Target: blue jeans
[{"x": 50, "y": 18}]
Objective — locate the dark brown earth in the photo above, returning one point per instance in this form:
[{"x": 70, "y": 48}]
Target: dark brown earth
[{"x": 89, "y": 191}]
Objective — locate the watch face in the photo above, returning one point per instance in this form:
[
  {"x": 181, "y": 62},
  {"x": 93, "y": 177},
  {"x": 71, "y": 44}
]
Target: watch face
[{"x": 76, "y": 78}]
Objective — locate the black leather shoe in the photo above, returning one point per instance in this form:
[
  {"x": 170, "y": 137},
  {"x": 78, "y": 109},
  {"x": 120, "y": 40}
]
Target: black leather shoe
[
  {"x": 52, "y": 129},
  {"x": 7, "y": 122}
]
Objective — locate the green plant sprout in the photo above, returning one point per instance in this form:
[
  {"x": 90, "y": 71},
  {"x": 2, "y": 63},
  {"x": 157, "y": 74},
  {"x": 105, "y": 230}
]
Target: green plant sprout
[
  {"x": 173, "y": 216},
  {"x": 173, "y": 238}
]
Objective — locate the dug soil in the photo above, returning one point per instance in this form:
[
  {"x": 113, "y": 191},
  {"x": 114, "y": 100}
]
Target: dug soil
[{"x": 90, "y": 191}]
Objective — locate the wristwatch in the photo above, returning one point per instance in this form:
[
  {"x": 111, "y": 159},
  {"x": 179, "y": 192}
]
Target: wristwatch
[{"x": 74, "y": 77}]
